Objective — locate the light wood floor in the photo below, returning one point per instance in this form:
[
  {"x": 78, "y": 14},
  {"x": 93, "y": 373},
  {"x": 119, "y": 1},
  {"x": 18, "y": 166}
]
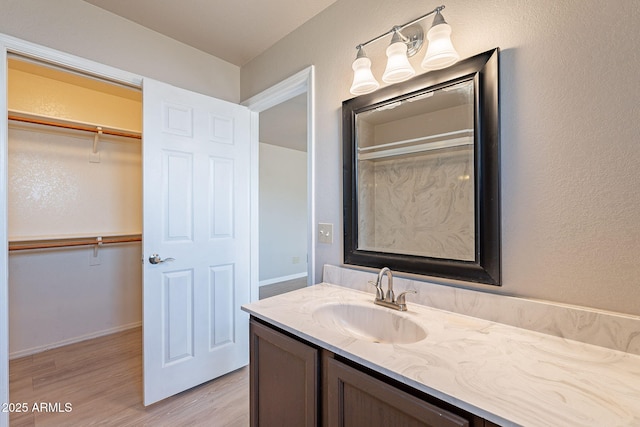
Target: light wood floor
[{"x": 102, "y": 380}]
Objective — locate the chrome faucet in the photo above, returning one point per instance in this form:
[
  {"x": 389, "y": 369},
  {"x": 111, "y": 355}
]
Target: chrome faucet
[
  {"x": 389, "y": 299},
  {"x": 389, "y": 296}
]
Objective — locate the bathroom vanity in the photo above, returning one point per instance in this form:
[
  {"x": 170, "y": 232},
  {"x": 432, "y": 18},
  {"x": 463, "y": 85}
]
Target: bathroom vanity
[
  {"x": 294, "y": 382},
  {"x": 327, "y": 356}
]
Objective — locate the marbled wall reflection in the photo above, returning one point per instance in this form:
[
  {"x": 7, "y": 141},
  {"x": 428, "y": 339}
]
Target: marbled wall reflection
[{"x": 419, "y": 204}]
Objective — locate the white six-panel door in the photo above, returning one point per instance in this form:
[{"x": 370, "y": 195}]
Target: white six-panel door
[{"x": 196, "y": 211}]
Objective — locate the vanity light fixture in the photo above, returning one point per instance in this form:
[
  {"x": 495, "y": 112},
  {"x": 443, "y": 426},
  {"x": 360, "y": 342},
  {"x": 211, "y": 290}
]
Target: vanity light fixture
[{"x": 406, "y": 41}]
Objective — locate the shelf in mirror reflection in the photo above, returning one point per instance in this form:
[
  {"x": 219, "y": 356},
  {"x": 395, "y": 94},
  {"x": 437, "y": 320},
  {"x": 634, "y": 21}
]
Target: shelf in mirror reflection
[{"x": 447, "y": 140}]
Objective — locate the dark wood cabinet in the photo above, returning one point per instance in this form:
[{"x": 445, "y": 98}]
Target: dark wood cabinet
[
  {"x": 283, "y": 380},
  {"x": 294, "y": 383},
  {"x": 355, "y": 399}
]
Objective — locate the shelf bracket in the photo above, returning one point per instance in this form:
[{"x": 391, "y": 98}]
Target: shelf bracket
[
  {"x": 94, "y": 157},
  {"x": 97, "y": 246},
  {"x": 95, "y": 258}
]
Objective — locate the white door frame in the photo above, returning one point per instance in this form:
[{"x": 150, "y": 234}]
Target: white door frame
[
  {"x": 297, "y": 84},
  {"x": 8, "y": 45}
]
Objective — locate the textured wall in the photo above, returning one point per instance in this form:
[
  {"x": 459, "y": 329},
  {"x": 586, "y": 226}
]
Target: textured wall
[
  {"x": 55, "y": 191},
  {"x": 569, "y": 129},
  {"x": 51, "y": 93}
]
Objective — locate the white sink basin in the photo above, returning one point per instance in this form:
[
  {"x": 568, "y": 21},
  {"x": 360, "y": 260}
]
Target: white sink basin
[{"x": 370, "y": 323}]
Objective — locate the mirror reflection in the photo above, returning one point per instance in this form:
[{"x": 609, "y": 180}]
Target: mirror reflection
[{"x": 415, "y": 169}]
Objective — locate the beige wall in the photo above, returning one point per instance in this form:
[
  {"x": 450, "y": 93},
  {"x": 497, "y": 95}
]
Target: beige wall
[
  {"x": 79, "y": 28},
  {"x": 569, "y": 131}
]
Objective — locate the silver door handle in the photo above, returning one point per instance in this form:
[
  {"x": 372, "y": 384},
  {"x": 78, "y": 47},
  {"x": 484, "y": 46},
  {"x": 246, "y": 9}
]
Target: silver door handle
[{"x": 155, "y": 259}]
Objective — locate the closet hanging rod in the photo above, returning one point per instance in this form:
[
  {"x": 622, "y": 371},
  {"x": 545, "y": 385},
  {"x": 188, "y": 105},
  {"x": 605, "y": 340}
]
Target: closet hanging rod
[
  {"x": 73, "y": 241},
  {"x": 67, "y": 125}
]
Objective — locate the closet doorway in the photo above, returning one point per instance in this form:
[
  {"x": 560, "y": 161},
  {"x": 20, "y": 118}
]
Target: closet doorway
[{"x": 74, "y": 207}]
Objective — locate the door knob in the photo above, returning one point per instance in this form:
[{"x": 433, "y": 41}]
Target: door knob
[{"x": 155, "y": 259}]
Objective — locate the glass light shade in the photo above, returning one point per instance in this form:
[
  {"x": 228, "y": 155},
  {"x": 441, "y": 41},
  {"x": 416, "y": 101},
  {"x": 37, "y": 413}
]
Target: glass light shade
[
  {"x": 398, "y": 67},
  {"x": 363, "y": 80},
  {"x": 440, "y": 52}
]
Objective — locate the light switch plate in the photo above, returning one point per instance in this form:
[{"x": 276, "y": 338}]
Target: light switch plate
[{"x": 325, "y": 233}]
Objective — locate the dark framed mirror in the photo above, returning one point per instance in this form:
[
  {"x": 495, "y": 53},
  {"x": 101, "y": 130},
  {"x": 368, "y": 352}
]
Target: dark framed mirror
[{"x": 422, "y": 174}]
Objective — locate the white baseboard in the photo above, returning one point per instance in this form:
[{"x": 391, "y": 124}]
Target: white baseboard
[
  {"x": 39, "y": 349},
  {"x": 282, "y": 279}
]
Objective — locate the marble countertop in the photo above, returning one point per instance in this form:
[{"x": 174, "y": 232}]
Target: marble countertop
[{"x": 508, "y": 375}]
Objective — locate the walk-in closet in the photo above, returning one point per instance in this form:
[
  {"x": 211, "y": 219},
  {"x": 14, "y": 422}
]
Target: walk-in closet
[{"x": 74, "y": 207}]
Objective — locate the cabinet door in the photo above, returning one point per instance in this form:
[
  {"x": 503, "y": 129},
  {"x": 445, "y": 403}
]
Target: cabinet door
[
  {"x": 354, "y": 399},
  {"x": 284, "y": 379}
]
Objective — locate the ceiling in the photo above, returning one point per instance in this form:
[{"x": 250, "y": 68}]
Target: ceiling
[{"x": 235, "y": 31}]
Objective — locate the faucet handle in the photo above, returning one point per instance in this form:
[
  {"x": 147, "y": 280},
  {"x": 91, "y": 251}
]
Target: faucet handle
[
  {"x": 401, "y": 300},
  {"x": 379, "y": 292}
]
